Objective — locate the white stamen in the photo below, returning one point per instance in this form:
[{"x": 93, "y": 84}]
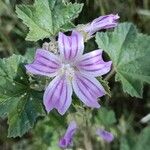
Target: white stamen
[{"x": 68, "y": 70}]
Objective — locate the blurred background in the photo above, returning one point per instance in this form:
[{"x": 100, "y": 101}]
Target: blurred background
[{"x": 128, "y": 110}]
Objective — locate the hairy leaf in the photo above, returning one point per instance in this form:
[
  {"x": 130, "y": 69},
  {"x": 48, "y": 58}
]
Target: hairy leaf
[
  {"x": 129, "y": 52},
  {"x": 46, "y": 17},
  {"x": 18, "y": 101}
]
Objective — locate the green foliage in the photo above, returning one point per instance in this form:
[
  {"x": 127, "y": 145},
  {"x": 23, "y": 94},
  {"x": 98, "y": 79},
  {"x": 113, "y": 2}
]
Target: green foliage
[
  {"x": 45, "y": 136},
  {"x": 18, "y": 101},
  {"x": 30, "y": 54},
  {"x": 124, "y": 145},
  {"x": 46, "y": 18},
  {"x": 105, "y": 84},
  {"x": 143, "y": 140},
  {"x": 105, "y": 117},
  {"x": 129, "y": 52}
]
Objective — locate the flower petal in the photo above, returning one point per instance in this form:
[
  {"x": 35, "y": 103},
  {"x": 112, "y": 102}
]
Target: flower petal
[
  {"x": 92, "y": 63},
  {"x": 105, "y": 135},
  {"x": 45, "y": 63},
  {"x": 102, "y": 22},
  {"x": 66, "y": 140},
  {"x": 58, "y": 95},
  {"x": 72, "y": 46},
  {"x": 88, "y": 89}
]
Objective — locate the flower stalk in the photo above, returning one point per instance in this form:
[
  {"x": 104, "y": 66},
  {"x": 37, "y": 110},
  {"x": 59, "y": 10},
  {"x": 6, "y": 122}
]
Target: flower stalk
[
  {"x": 87, "y": 140},
  {"x": 110, "y": 74}
]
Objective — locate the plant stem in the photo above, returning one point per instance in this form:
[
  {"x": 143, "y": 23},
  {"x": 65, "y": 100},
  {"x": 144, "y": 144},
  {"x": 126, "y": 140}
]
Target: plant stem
[
  {"x": 87, "y": 132},
  {"x": 87, "y": 140},
  {"x": 112, "y": 72}
]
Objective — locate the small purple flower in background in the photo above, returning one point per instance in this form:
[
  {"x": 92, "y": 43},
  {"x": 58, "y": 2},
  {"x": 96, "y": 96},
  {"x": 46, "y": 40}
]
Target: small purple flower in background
[
  {"x": 102, "y": 22},
  {"x": 72, "y": 70},
  {"x": 67, "y": 139},
  {"x": 105, "y": 135}
]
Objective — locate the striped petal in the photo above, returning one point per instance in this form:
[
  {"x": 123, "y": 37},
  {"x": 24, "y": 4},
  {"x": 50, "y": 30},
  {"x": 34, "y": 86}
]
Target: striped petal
[
  {"x": 67, "y": 139},
  {"x": 45, "y": 63},
  {"x": 88, "y": 89},
  {"x": 92, "y": 63},
  {"x": 102, "y": 22},
  {"x": 71, "y": 47},
  {"x": 58, "y": 95},
  {"x": 105, "y": 135}
]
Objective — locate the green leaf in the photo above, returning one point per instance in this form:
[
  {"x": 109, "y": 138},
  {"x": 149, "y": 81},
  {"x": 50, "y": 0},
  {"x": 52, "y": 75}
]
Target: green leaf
[
  {"x": 142, "y": 142},
  {"x": 129, "y": 52},
  {"x": 105, "y": 117},
  {"x": 46, "y": 18},
  {"x": 68, "y": 27},
  {"x": 124, "y": 145},
  {"x": 30, "y": 54},
  {"x": 18, "y": 101}
]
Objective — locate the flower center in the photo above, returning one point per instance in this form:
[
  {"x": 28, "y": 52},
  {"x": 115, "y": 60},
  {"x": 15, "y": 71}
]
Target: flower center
[{"x": 68, "y": 70}]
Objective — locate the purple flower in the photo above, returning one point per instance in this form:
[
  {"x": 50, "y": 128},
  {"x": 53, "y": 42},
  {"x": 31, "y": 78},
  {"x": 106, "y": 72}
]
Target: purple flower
[
  {"x": 66, "y": 140},
  {"x": 105, "y": 135},
  {"x": 72, "y": 71},
  {"x": 103, "y": 22}
]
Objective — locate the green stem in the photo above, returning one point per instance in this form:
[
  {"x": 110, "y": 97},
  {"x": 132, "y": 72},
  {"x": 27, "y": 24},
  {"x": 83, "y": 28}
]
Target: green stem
[
  {"x": 112, "y": 72},
  {"x": 87, "y": 140},
  {"x": 87, "y": 133}
]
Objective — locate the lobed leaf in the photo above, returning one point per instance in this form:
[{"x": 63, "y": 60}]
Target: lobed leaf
[
  {"x": 18, "y": 101},
  {"x": 129, "y": 52},
  {"x": 46, "y": 18}
]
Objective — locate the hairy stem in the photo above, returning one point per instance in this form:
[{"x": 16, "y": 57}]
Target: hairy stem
[
  {"x": 86, "y": 132},
  {"x": 112, "y": 72},
  {"x": 87, "y": 141}
]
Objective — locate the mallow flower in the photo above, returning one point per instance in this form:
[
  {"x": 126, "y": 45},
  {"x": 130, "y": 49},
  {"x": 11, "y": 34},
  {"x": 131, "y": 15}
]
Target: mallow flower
[
  {"x": 67, "y": 139},
  {"x": 72, "y": 70},
  {"x": 105, "y": 135},
  {"x": 102, "y": 22}
]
